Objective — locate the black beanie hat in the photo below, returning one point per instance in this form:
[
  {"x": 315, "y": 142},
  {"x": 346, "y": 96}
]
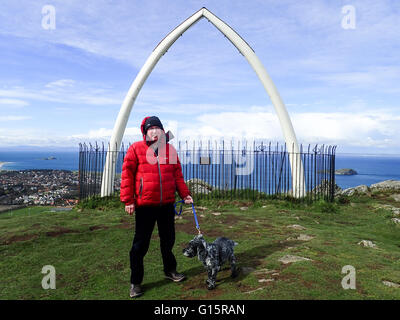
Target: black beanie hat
[{"x": 152, "y": 121}]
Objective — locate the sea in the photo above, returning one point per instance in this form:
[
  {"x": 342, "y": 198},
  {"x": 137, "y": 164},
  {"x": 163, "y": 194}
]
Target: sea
[
  {"x": 370, "y": 168},
  {"x": 26, "y": 160}
]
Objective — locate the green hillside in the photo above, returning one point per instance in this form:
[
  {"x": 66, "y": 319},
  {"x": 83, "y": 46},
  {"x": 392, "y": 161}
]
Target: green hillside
[{"x": 89, "y": 249}]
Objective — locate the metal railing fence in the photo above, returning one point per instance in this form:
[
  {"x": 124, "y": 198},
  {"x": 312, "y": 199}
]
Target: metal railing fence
[{"x": 227, "y": 171}]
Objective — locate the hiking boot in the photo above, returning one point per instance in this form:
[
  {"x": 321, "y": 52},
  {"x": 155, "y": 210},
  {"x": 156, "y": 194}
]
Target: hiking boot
[
  {"x": 136, "y": 291},
  {"x": 175, "y": 276}
]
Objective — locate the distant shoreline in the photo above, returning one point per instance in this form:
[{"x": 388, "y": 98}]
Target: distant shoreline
[{"x": 2, "y": 164}]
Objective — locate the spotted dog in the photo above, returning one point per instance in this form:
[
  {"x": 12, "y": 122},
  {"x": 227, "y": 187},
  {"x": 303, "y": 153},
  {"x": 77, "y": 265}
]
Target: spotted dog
[{"x": 213, "y": 256}]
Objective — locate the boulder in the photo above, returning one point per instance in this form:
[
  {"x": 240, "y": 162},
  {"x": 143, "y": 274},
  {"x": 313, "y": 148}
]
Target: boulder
[
  {"x": 394, "y": 210},
  {"x": 265, "y": 280},
  {"x": 396, "y": 197},
  {"x": 301, "y": 237},
  {"x": 304, "y": 237},
  {"x": 200, "y": 208},
  {"x": 289, "y": 259},
  {"x": 362, "y": 189},
  {"x": 396, "y": 220},
  {"x": 386, "y": 185},
  {"x": 391, "y": 284},
  {"x": 347, "y": 192},
  {"x": 296, "y": 227},
  {"x": 345, "y": 172},
  {"x": 264, "y": 271},
  {"x": 199, "y": 186},
  {"x": 367, "y": 244}
]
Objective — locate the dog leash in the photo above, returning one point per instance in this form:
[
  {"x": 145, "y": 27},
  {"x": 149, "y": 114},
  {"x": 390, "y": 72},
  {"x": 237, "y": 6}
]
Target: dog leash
[{"x": 194, "y": 213}]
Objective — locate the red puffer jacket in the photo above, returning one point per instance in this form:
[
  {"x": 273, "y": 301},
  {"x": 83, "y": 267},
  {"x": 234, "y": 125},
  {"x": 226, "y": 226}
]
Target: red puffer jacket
[{"x": 149, "y": 180}]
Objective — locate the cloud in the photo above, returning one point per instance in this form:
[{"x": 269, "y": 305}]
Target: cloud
[
  {"x": 61, "y": 83},
  {"x": 376, "y": 129},
  {"x": 64, "y": 92},
  {"x": 367, "y": 129},
  {"x": 104, "y": 133},
  {"x": 379, "y": 77},
  {"x": 13, "y": 103},
  {"x": 14, "y": 118}
]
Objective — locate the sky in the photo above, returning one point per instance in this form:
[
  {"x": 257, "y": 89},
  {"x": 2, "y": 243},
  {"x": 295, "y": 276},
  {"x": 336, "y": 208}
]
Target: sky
[{"x": 64, "y": 76}]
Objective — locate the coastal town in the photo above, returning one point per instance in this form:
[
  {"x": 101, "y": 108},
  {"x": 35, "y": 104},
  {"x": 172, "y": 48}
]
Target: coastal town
[{"x": 39, "y": 187}]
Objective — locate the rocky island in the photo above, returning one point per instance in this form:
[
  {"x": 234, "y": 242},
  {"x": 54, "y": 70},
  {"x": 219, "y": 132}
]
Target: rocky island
[{"x": 345, "y": 172}]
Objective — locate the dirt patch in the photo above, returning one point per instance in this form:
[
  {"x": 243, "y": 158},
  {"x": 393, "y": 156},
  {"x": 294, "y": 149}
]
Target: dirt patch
[
  {"x": 374, "y": 266},
  {"x": 17, "y": 238},
  {"x": 307, "y": 284},
  {"x": 92, "y": 228},
  {"x": 125, "y": 224},
  {"x": 82, "y": 278},
  {"x": 199, "y": 282},
  {"x": 230, "y": 219},
  {"x": 60, "y": 231},
  {"x": 237, "y": 203},
  {"x": 118, "y": 266},
  {"x": 222, "y": 226},
  {"x": 233, "y": 226},
  {"x": 187, "y": 227},
  {"x": 243, "y": 288}
]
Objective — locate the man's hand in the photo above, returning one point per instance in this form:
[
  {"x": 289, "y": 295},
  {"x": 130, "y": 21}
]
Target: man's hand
[
  {"x": 130, "y": 209},
  {"x": 188, "y": 199}
]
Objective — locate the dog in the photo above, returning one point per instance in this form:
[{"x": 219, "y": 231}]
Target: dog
[{"x": 213, "y": 256}]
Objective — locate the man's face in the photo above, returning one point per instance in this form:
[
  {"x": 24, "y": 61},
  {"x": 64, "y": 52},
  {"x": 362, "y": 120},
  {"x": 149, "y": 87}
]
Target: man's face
[{"x": 154, "y": 133}]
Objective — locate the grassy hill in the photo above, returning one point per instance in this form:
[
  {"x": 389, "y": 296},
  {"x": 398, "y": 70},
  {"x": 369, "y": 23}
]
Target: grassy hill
[{"x": 89, "y": 248}]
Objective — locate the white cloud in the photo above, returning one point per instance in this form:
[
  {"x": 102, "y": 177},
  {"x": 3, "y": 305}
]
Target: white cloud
[
  {"x": 90, "y": 94},
  {"x": 377, "y": 77},
  {"x": 13, "y": 103},
  {"x": 367, "y": 129},
  {"x": 104, "y": 133},
  {"x": 14, "y": 118},
  {"x": 61, "y": 83}
]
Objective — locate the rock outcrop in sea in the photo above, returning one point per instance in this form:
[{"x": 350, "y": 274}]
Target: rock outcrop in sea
[{"x": 345, "y": 172}]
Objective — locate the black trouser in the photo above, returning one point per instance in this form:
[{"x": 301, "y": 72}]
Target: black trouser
[{"x": 144, "y": 225}]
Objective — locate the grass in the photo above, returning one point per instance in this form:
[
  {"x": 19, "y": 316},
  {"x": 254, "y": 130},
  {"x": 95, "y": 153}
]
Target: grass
[{"x": 89, "y": 246}]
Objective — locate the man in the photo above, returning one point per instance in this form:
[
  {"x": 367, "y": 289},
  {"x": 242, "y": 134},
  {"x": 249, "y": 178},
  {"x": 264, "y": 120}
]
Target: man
[{"x": 151, "y": 173}]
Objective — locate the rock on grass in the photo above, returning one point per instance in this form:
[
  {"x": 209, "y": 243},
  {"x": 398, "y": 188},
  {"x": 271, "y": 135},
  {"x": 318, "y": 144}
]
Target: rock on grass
[
  {"x": 289, "y": 259},
  {"x": 367, "y": 244}
]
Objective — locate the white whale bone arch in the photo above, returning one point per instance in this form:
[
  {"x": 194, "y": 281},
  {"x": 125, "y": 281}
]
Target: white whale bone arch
[{"x": 297, "y": 169}]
